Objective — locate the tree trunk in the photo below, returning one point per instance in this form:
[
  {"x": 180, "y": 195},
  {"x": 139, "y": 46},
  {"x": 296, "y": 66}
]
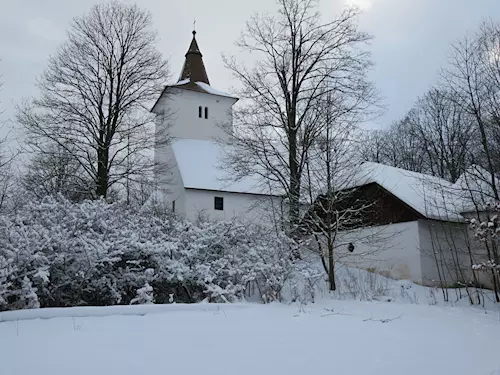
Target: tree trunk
[
  {"x": 102, "y": 172},
  {"x": 331, "y": 267},
  {"x": 294, "y": 181}
]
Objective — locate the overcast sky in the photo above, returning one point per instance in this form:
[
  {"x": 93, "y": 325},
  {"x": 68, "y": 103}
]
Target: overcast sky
[{"x": 412, "y": 39}]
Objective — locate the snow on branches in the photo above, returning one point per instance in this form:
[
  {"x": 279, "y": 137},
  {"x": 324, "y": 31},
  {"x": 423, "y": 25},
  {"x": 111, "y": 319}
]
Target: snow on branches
[
  {"x": 55, "y": 253},
  {"x": 487, "y": 231}
]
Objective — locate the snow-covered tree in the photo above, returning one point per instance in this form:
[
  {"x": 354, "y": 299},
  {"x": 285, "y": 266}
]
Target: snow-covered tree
[
  {"x": 28, "y": 298},
  {"x": 144, "y": 296}
]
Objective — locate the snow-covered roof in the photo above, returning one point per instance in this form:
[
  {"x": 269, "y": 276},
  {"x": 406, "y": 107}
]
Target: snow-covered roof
[
  {"x": 202, "y": 87},
  {"x": 200, "y": 163},
  {"x": 476, "y": 188},
  {"x": 432, "y": 197}
]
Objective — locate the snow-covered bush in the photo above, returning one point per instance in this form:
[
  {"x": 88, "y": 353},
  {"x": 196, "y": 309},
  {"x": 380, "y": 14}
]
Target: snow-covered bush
[
  {"x": 487, "y": 231},
  {"x": 28, "y": 298},
  {"x": 94, "y": 253},
  {"x": 144, "y": 296}
]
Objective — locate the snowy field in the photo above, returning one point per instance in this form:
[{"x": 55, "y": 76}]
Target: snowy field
[{"x": 341, "y": 337}]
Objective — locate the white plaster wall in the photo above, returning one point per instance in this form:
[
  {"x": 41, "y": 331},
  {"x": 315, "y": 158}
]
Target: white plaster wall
[
  {"x": 446, "y": 250},
  {"x": 169, "y": 180},
  {"x": 250, "y": 208},
  {"x": 181, "y": 115},
  {"x": 392, "y": 250}
]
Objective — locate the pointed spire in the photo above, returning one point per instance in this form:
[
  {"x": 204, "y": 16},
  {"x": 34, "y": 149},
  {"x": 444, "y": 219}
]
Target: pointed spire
[{"x": 193, "y": 68}]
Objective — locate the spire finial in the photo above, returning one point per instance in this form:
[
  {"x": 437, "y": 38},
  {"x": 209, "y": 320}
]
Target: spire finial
[{"x": 194, "y": 26}]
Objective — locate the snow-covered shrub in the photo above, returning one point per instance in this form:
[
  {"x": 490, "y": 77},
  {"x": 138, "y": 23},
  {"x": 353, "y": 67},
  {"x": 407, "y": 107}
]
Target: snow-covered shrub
[
  {"x": 95, "y": 253},
  {"x": 144, "y": 296},
  {"x": 487, "y": 231},
  {"x": 28, "y": 298},
  {"x": 225, "y": 259}
]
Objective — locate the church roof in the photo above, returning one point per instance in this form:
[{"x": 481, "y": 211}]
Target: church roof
[
  {"x": 194, "y": 68},
  {"x": 194, "y": 75},
  {"x": 202, "y": 87},
  {"x": 200, "y": 164}
]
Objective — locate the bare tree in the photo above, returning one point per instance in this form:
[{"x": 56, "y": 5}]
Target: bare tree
[
  {"x": 373, "y": 145},
  {"x": 6, "y": 159},
  {"x": 473, "y": 78},
  {"x": 445, "y": 131},
  {"x": 298, "y": 55},
  {"x": 396, "y": 146},
  {"x": 56, "y": 172},
  {"x": 436, "y": 137},
  {"x": 94, "y": 95},
  {"x": 331, "y": 172}
]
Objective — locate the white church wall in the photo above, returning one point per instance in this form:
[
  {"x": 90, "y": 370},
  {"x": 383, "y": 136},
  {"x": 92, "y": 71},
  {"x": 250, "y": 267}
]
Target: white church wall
[
  {"x": 392, "y": 250},
  {"x": 250, "y": 208},
  {"x": 169, "y": 179},
  {"x": 183, "y": 121}
]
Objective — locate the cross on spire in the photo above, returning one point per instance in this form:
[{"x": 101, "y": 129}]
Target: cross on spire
[{"x": 194, "y": 25}]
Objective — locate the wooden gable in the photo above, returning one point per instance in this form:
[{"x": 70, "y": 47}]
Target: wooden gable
[{"x": 364, "y": 206}]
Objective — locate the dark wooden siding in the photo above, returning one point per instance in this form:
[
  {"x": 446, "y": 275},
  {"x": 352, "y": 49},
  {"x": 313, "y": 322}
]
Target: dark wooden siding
[{"x": 367, "y": 205}]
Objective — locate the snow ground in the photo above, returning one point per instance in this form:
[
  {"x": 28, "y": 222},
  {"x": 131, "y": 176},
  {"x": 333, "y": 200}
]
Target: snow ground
[
  {"x": 414, "y": 333},
  {"x": 329, "y": 336}
]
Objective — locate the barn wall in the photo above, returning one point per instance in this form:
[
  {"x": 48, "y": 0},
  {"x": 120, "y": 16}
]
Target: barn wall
[
  {"x": 446, "y": 250},
  {"x": 392, "y": 250}
]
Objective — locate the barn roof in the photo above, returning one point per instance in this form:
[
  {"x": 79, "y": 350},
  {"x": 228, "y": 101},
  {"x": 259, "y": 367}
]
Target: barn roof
[{"x": 432, "y": 197}]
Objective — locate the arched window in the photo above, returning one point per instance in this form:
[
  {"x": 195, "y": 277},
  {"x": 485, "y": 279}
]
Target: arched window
[
  {"x": 206, "y": 112},
  {"x": 200, "y": 111}
]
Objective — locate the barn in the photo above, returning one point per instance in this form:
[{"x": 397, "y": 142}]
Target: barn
[{"x": 402, "y": 224}]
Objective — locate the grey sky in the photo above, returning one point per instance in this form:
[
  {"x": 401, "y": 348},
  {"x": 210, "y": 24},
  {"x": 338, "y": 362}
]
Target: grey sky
[{"x": 412, "y": 39}]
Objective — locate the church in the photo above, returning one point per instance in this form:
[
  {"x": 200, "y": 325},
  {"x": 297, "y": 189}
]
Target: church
[
  {"x": 191, "y": 177},
  {"x": 413, "y": 219}
]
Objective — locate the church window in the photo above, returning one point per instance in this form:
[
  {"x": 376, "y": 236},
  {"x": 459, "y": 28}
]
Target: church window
[
  {"x": 200, "y": 111},
  {"x": 206, "y": 112},
  {"x": 218, "y": 203}
]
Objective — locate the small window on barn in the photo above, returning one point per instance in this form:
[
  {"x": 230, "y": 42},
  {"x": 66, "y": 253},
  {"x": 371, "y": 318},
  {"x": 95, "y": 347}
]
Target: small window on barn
[
  {"x": 218, "y": 203},
  {"x": 200, "y": 111},
  {"x": 206, "y": 112}
]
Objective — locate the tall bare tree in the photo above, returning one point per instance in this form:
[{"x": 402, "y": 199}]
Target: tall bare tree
[
  {"x": 446, "y": 132},
  {"x": 435, "y": 137},
  {"x": 95, "y": 93},
  {"x": 331, "y": 173},
  {"x": 298, "y": 55},
  {"x": 396, "y": 146},
  {"x": 6, "y": 157},
  {"x": 473, "y": 78}
]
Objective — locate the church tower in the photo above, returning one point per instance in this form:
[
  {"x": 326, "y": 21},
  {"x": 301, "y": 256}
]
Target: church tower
[
  {"x": 189, "y": 174},
  {"x": 191, "y": 108}
]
